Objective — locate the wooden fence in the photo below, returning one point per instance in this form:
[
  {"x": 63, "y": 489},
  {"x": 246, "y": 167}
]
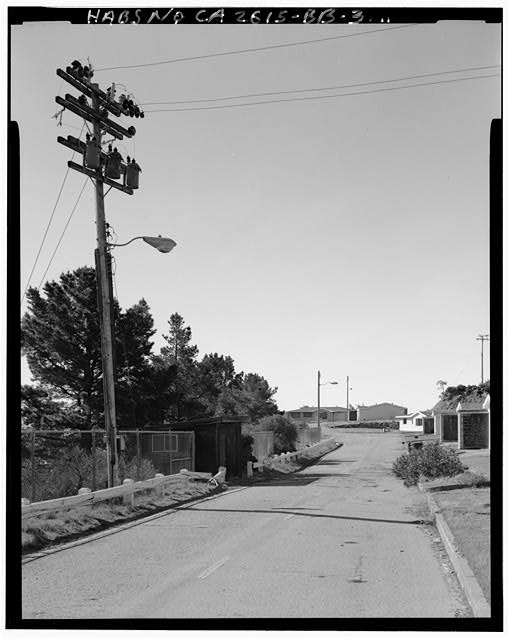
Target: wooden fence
[
  {"x": 126, "y": 491},
  {"x": 286, "y": 457}
]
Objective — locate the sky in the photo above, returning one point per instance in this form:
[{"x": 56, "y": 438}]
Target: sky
[{"x": 347, "y": 234}]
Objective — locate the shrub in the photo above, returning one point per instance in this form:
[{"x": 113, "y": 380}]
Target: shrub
[
  {"x": 128, "y": 468},
  {"x": 432, "y": 461},
  {"x": 247, "y": 442},
  {"x": 285, "y": 432}
]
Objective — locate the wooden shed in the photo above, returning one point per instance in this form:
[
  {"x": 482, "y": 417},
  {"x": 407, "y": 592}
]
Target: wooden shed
[{"x": 217, "y": 442}]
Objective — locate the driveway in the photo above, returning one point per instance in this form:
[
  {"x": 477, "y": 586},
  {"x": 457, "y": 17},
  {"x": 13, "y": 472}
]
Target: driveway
[{"x": 341, "y": 539}]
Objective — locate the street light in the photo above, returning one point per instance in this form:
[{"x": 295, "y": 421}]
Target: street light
[
  {"x": 348, "y": 388},
  {"x": 104, "y": 278},
  {"x": 321, "y": 384},
  {"x": 164, "y": 245}
]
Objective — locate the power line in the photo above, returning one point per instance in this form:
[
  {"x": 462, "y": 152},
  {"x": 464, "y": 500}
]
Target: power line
[
  {"x": 253, "y": 50},
  {"x": 336, "y": 95},
  {"x": 345, "y": 86},
  {"x": 45, "y": 234},
  {"x": 63, "y": 232},
  {"x": 48, "y": 226}
]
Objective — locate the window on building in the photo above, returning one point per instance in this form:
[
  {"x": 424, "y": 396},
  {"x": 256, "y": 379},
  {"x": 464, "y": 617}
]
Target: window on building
[
  {"x": 418, "y": 422},
  {"x": 307, "y": 414},
  {"x": 404, "y": 420}
]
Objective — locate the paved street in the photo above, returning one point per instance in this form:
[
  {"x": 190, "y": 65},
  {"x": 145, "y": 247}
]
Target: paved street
[{"x": 343, "y": 538}]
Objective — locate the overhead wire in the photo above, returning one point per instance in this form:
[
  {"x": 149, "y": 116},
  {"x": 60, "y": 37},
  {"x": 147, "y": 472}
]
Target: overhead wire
[
  {"x": 253, "y": 49},
  {"x": 48, "y": 225},
  {"x": 336, "y": 95},
  {"x": 331, "y": 88},
  {"x": 63, "y": 232}
]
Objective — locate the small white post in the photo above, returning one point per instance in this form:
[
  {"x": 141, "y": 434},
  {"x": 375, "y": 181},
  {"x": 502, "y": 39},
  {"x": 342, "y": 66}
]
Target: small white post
[
  {"x": 128, "y": 498},
  {"x": 160, "y": 488},
  {"x": 249, "y": 469}
]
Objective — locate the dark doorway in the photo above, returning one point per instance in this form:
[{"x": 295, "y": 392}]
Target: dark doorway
[
  {"x": 475, "y": 431},
  {"x": 450, "y": 428}
]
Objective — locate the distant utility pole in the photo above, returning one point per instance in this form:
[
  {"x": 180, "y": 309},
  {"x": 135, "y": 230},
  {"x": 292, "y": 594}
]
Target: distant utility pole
[
  {"x": 102, "y": 167},
  {"x": 482, "y": 337}
]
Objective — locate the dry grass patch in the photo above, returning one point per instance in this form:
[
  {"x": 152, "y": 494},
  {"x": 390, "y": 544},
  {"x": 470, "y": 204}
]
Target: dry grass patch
[{"x": 41, "y": 530}]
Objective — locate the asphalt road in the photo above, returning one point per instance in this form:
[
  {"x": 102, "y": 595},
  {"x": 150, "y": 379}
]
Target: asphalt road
[{"x": 341, "y": 539}]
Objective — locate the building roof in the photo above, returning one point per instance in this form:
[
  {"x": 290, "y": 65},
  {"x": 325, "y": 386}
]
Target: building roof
[
  {"x": 307, "y": 409},
  {"x": 412, "y": 414},
  {"x": 471, "y": 406},
  {"x": 381, "y": 404},
  {"x": 450, "y": 403}
]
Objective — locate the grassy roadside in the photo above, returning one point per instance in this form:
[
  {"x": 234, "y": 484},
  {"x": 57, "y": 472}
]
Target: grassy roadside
[
  {"x": 467, "y": 512},
  {"x": 43, "y": 530},
  {"x": 460, "y": 484}
]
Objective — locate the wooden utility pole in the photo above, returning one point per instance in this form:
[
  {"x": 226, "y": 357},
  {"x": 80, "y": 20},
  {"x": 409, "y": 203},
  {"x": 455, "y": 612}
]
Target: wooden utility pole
[
  {"x": 103, "y": 168},
  {"x": 482, "y": 337},
  {"x": 347, "y": 404}
]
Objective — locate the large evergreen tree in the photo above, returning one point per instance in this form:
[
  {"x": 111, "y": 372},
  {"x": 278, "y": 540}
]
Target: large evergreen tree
[{"x": 61, "y": 341}]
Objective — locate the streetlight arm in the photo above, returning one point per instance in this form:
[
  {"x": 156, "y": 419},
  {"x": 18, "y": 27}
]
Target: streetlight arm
[{"x": 124, "y": 244}]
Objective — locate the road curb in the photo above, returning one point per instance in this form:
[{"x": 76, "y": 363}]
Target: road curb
[{"x": 473, "y": 592}]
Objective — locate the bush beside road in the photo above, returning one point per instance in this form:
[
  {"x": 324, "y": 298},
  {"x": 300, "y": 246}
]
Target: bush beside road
[{"x": 460, "y": 484}]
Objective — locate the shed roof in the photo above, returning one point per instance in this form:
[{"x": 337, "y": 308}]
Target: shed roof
[
  {"x": 450, "y": 404},
  {"x": 471, "y": 406}
]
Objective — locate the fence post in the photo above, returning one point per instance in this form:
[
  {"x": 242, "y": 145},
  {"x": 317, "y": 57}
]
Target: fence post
[
  {"x": 94, "y": 462},
  {"x": 249, "y": 469},
  {"x": 160, "y": 488},
  {"x": 138, "y": 454},
  {"x": 128, "y": 498},
  {"x": 192, "y": 451},
  {"x": 32, "y": 457}
]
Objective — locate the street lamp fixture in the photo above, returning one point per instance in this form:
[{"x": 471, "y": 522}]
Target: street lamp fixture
[
  {"x": 321, "y": 384},
  {"x": 164, "y": 245}
]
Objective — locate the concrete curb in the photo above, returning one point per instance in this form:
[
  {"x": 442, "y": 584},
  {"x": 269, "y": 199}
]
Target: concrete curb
[{"x": 473, "y": 592}]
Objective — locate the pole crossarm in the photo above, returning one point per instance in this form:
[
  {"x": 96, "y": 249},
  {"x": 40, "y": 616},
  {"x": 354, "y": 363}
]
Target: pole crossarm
[
  {"x": 111, "y": 126},
  {"x": 92, "y": 174},
  {"x": 89, "y": 90},
  {"x": 82, "y": 112}
]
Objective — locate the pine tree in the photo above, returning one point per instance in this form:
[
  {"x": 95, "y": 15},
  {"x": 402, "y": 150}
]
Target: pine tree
[{"x": 61, "y": 340}]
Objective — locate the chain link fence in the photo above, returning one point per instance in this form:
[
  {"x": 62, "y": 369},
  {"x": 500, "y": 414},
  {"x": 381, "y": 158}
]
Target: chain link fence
[{"x": 55, "y": 464}]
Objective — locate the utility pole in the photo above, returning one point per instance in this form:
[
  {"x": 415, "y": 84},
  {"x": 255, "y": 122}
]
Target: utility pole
[
  {"x": 482, "y": 338},
  {"x": 102, "y": 168},
  {"x": 347, "y": 404},
  {"x": 318, "y": 402}
]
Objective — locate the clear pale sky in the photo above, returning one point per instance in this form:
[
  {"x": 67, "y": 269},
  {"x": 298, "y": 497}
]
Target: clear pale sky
[{"x": 347, "y": 234}]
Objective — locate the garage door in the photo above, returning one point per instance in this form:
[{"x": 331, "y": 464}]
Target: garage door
[
  {"x": 475, "y": 430},
  {"x": 450, "y": 428}
]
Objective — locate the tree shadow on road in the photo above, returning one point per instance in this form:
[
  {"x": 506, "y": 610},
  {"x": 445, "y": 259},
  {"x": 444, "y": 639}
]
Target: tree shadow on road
[{"x": 289, "y": 511}]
